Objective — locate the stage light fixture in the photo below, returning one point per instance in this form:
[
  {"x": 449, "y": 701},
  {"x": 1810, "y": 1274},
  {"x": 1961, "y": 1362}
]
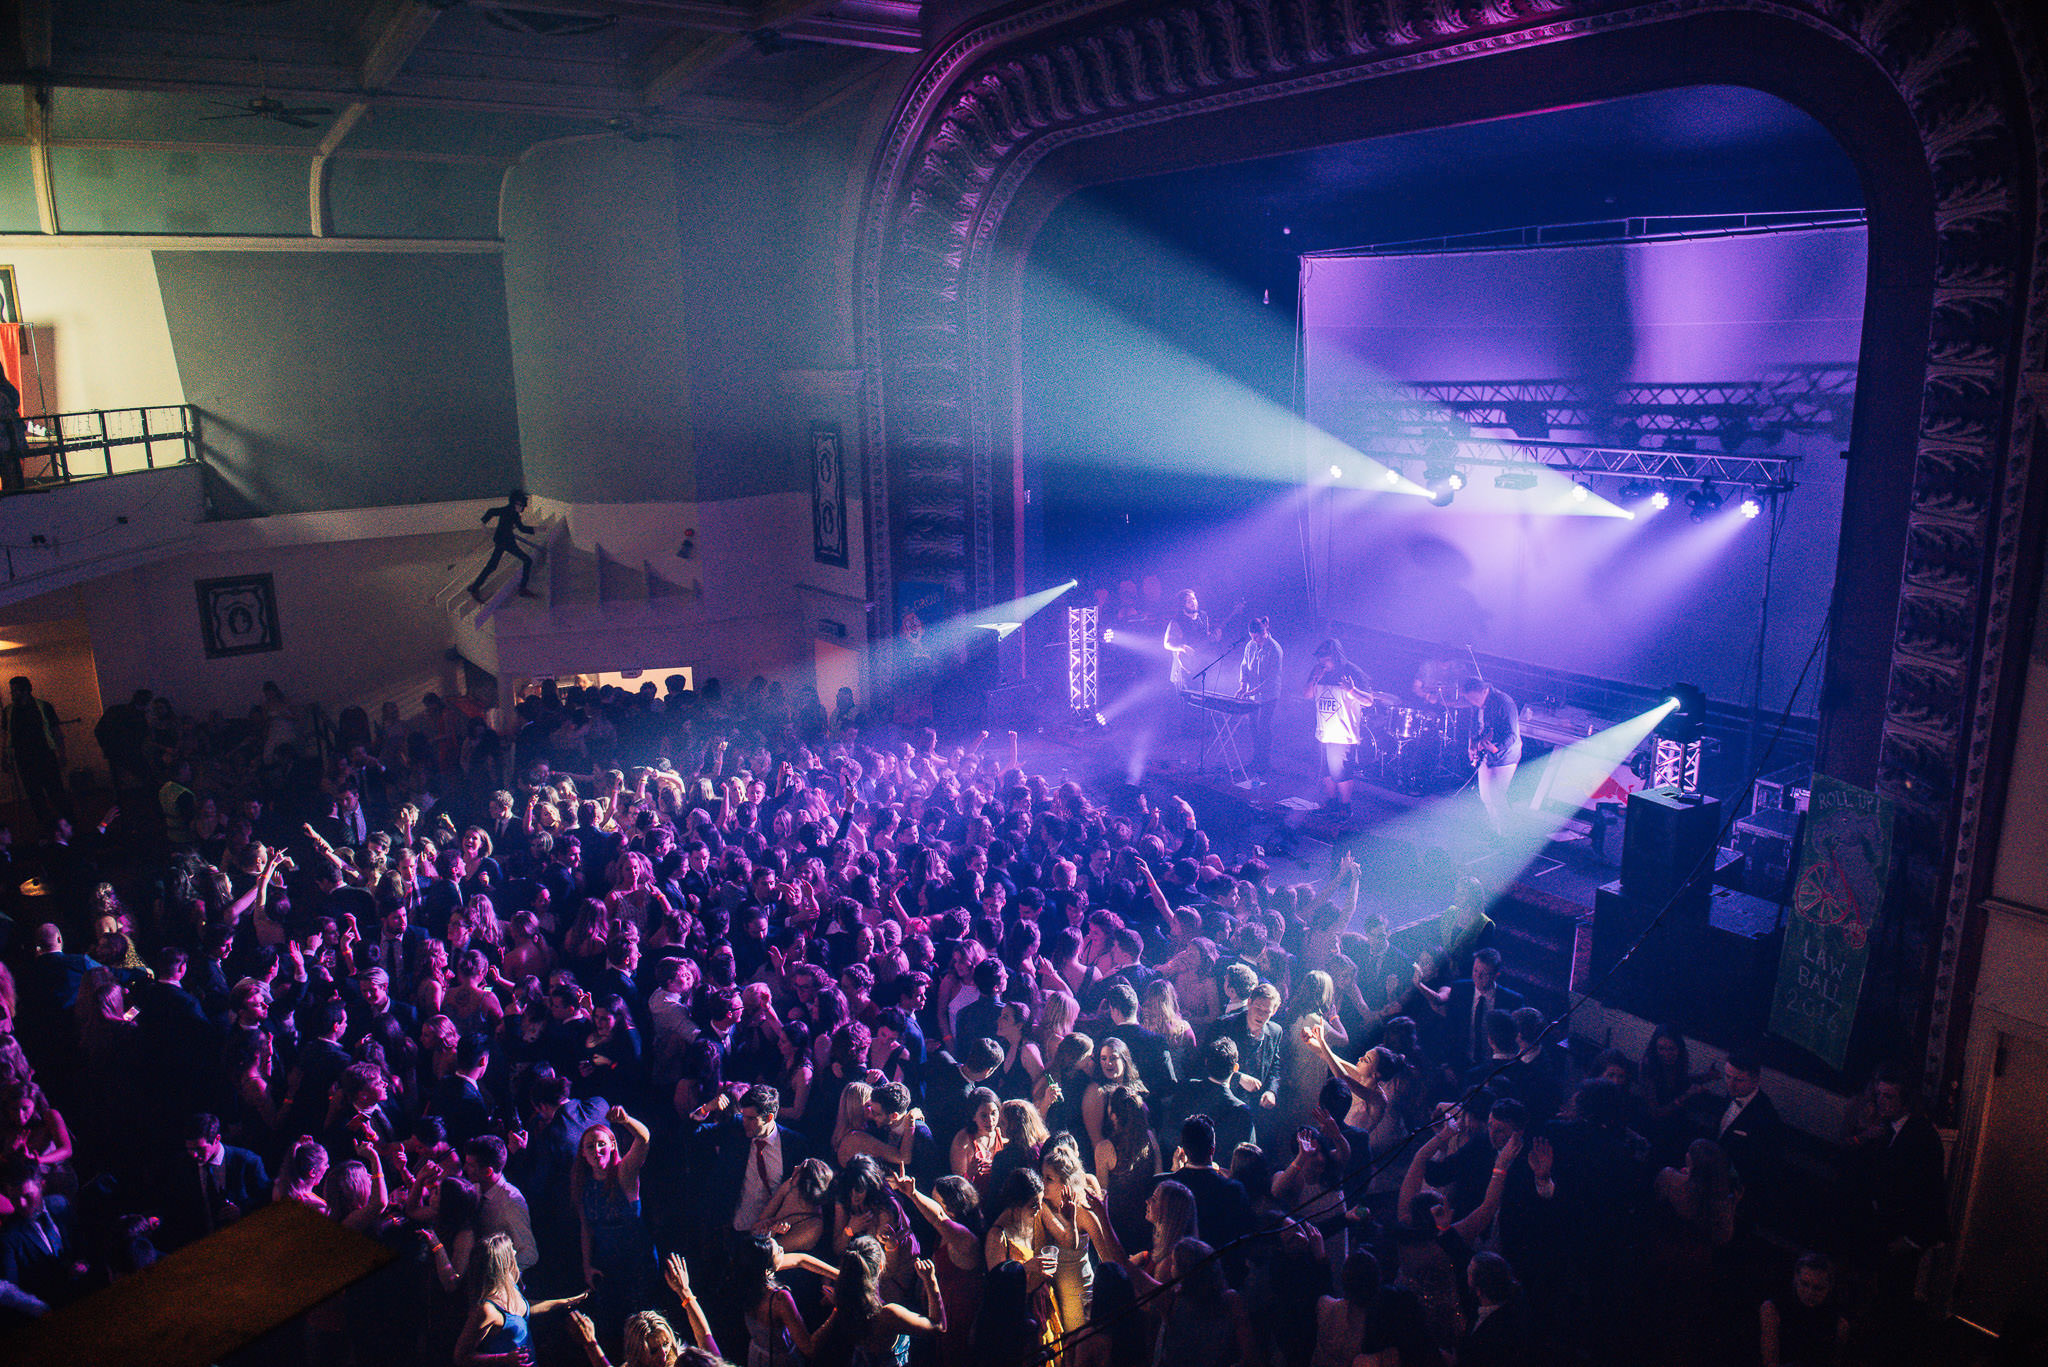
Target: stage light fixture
[
  {"x": 1581, "y": 491},
  {"x": 1635, "y": 491},
  {"x": 1393, "y": 475},
  {"x": 1441, "y": 492},
  {"x": 1660, "y": 500},
  {"x": 1688, "y": 713},
  {"x": 1517, "y": 480},
  {"x": 1457, "y": 479},
  {"x": 1336, "y": 472},
  {"x": 1751, "y": 507},
  {"x": 1109, "y": 635},
  {"x": 1704, "y": 501}
]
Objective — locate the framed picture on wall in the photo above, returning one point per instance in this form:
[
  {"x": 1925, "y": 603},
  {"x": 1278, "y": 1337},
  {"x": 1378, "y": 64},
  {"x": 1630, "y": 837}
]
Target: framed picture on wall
[
  {"x": 10, "y": 302},
  {"x": 828, "y": 495},
  {"x": 238, "y": 616}
]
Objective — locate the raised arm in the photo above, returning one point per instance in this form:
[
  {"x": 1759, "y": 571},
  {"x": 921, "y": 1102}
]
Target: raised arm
[
  {"x": 635, "y": 1154},
  {"x": 1475, "y": 1224},
  {"x": 912, "y": 1322},
  {"x": 677, "y": 1274}
]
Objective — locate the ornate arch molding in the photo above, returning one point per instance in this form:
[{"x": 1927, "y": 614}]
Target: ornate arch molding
[{"x": 986, "y": 110}]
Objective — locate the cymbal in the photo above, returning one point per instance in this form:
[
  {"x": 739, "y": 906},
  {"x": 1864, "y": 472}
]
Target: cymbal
[{"x": 1386, "y": 700}]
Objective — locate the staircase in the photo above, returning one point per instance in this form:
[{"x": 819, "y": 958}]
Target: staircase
[{"x": 592, "y": 611}]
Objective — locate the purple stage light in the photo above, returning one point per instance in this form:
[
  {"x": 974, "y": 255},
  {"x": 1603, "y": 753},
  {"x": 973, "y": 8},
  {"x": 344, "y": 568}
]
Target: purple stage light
[
  {"x": 1660, "y": 500},
  {"x": 1752, "y": 508}
]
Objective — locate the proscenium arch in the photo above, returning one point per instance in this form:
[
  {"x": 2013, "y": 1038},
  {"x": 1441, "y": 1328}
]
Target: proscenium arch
[{"x": 1939, "y": 107}]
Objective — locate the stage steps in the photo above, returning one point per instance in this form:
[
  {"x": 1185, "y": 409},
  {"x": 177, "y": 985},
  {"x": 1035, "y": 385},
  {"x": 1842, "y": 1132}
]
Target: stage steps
[{"x": 1538, "y": 936}]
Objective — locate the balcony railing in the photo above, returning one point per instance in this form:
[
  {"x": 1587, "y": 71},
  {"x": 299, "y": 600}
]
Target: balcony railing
[{"x": 66, "y": 447}]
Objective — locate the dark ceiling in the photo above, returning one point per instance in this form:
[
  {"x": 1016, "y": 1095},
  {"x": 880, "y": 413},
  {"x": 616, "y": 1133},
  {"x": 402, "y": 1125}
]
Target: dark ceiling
[
  {"x": 1705, "y": 150},
  {"x": 653, "y": 62}
]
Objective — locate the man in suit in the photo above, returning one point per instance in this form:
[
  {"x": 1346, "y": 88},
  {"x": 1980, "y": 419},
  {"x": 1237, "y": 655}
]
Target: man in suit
[
  {"x": 1471, "y": 999},
  {"x": 1903, "y": 1162},
  {"x": 1223, "y": 1212},
  {"x": 1498, "y": 1335},
  {"x": 1149, "y": 1049},
  {"x": 222, "y": 1185},
  {"x": 950, "y": 1081},
  {"x": 1258, "y": 1039},
  {"x": 459, "y": 1100},
  {"x": 890, "y": 1107},
  {"x": 1212, "y": 1095},
  {"x": 1749, "y": 1130},
  {"x": 320, "y": 1062},
  {"x": 36, "y": 1250},
  {"x": 401, "y": 947},
  {"x": 751, "y": 1156}
]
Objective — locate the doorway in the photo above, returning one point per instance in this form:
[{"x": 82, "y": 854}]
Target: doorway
[{"x": 2003, "y": 1263}]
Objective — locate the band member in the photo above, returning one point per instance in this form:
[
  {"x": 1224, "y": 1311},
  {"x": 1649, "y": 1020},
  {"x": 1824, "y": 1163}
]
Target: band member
[
  {"x": 1258, "y": 680},
  {"x": 1341, "y": 694},
  {"x": 1496, "y": 745},
  {"x": 1188, "y": 633}
]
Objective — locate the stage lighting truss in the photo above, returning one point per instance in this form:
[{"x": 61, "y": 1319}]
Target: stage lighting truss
[
  {"x": 1084, "y": 660},
  {"x": 1521, "y": 461},
  {"x": 1675, "y": 764}
]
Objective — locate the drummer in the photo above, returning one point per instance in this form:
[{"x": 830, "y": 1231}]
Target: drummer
[{"x": 1341, "y": 694}]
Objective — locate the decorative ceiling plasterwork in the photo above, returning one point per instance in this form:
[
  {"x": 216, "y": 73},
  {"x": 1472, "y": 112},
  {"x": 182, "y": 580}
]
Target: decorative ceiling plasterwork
[{"x": 987, "y": 110}]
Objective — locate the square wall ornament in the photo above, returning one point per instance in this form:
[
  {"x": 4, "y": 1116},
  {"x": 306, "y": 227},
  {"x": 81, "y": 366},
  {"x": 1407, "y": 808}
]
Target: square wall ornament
[{"x": 238, "y": 616}]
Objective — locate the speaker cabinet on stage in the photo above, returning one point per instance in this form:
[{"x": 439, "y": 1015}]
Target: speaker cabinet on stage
[
  {"x": 1667, "y": 851},
  {"x": 1709, "y": 973},
  {"x": 1768, "y": 841}
]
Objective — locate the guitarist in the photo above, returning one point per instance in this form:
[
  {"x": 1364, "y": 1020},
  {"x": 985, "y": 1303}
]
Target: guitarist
[
  {"x": 1496, "y": 745},
  {"x": 1189, "y": 632}
]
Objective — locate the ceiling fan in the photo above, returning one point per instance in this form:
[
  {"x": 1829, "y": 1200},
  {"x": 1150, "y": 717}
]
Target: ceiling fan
[{"x": 273, "y": 109}]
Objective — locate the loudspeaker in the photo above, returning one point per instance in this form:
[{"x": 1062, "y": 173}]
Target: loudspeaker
[
  {"x": 1642, "y": 985},
  {"x": 1667, "y": 852}
]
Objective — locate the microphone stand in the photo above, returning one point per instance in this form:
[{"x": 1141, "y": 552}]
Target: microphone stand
[{"x": 1201, "y": 676}]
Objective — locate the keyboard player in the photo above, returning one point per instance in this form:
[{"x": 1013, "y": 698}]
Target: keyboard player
[{"x": 1258, "y": 682}]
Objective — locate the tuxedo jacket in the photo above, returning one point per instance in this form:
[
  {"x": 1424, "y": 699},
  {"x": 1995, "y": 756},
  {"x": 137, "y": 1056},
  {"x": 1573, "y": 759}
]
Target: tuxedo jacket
[
  {"x": 1753, "y": 1142},
  {"x": 732, "y": 1151},
  {"x": 1458, "y": 1016}
]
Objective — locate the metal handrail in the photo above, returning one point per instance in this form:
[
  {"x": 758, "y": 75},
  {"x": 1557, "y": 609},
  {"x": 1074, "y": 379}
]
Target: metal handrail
[{"x": 61, "y": 447}]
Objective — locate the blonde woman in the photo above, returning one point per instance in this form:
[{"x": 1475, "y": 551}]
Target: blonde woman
[
  {"x": 850, "y": 1135},
  {"x": 650, "y": 1342},
  {"x": 1159, "y": 1012},
  {"x": 497, "y": 1332}
]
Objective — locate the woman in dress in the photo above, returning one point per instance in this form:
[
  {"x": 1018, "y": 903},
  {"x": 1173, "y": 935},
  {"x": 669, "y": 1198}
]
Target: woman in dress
[
  {"x": 975, "y": 1147},
  {"x": 795, "y": 1217},
  {"x": 1013, "y": 1238},
  {"x": 1207, "y": 1325},
  {"x": 1114, "y": 1067},
  {"x": 1303, "y": 1065},
  {"x": 498, "y": 1332},
  {"x": 776, "y": 1334},
  {"x": 1159, "y": 1012},
  {"x": 1125, "y": 1162},
  {"x": 954, "y": 1210},
  {"x": 864, "y": 1330},
  {"x": 618, "y": 1252}
]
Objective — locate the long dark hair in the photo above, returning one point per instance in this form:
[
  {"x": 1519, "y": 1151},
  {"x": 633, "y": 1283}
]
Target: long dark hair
[
  {"x": 753, "y": 1269},
  {"x": 1006, "y": 1332}
]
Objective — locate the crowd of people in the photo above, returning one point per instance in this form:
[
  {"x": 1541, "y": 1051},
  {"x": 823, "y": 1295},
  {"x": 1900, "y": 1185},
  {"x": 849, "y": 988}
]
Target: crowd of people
[{"x": 679, "y": 1024}]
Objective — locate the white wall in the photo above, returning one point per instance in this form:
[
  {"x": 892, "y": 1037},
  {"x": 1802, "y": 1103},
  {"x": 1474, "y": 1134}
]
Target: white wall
[
  {"x": 356, "y": 620},
  {"x": 99, "y": 323}
]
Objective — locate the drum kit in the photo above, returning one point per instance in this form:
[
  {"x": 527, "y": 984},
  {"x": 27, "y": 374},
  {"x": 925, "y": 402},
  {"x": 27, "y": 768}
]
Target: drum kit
[{"x": 1419, "y": 744}]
